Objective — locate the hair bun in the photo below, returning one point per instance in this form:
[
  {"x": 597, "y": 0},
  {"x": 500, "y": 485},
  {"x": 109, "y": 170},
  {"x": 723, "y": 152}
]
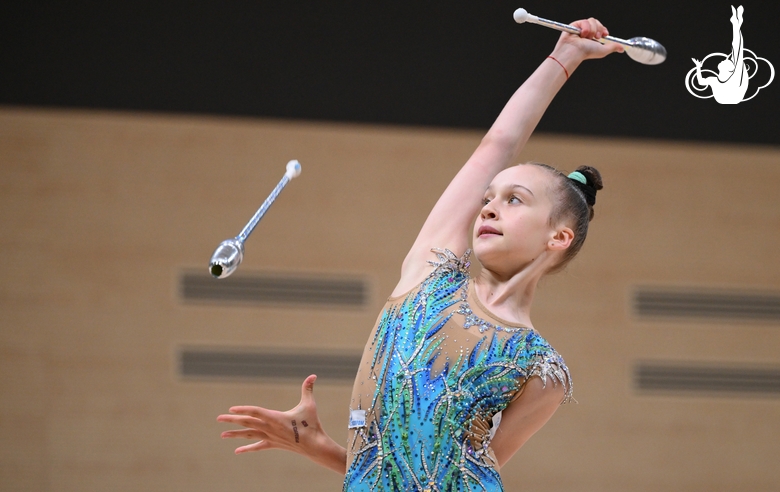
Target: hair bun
[
  {"x": 593, "y": 176},
  {"x": 589, "y": 185}
]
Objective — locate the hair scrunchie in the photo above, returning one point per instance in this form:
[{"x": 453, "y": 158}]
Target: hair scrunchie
[{"x": 581, "y": 182}]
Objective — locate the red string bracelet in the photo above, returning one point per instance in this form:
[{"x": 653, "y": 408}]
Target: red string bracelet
[{"x": 561, "y": 64}]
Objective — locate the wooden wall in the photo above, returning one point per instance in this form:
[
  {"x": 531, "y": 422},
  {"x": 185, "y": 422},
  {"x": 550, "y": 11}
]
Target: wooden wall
[{"x": 101, "y": 212}]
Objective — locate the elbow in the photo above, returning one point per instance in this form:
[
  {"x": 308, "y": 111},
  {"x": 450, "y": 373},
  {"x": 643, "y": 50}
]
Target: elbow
[
  {"x": 500, "y": 144},
  {"x": 498, "y": 139}
]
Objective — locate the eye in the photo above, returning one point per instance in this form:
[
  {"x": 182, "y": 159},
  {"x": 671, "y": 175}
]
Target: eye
[
  {"x": 485, "y": 201},
  {"x": 515, "y": 199}
]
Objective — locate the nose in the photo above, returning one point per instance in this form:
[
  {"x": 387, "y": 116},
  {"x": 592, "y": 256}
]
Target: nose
[{"x": 488, "y": 211}]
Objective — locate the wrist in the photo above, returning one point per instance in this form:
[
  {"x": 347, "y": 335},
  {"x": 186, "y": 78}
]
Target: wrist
[
  {"x": 570, "y": 58},
  {"x": 324, "y": 451}
]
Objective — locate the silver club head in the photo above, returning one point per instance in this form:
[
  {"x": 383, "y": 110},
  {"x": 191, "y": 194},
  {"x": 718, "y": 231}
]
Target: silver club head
[
  {"x": 226, "y": 258},
  {"x": 645, "y": 50}
]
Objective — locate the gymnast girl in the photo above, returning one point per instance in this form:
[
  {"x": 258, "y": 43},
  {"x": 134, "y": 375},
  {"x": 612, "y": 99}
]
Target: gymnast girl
[{"x": 455, "y": 378}]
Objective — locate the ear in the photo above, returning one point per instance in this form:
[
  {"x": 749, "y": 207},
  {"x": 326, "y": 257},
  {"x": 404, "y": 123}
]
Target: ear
[{"x": 561, "y": 239}]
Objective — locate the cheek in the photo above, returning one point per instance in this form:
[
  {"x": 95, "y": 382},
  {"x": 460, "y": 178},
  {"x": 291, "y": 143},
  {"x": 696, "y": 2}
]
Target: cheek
[
  {"x": 530, "y": 232},
  {"x": 528, "y": 223}
]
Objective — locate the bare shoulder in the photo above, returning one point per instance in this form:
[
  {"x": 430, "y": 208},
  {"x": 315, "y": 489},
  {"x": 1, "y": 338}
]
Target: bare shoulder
[
  {"x": 414, "y": 270},
  {"x": 542, "y": 393}
]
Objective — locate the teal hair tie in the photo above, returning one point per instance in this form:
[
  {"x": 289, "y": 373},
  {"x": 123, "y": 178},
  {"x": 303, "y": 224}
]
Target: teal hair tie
[{"x": 578, "y": 176}]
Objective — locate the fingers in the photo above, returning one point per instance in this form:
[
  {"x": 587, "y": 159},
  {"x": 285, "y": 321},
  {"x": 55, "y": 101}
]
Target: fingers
[
  {"x": 244, "y": 434},
  {"x": 248, "y": 422},
  {"x": 293, "y": 430},
  {"x": 614, "y": 47},
  {"x": 591, "y": 28},
  {"x": 307, "y": 389},
  {"x": 258, "y": 446},
  {"x": 256, "y": 412}
]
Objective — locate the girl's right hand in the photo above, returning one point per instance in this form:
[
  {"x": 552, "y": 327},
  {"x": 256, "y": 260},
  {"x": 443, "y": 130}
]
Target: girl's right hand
[
  {"x": 298, "y": 430},
  {"x": 584, "y": 46}
]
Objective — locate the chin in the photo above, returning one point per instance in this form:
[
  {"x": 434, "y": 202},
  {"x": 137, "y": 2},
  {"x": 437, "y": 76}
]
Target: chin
[
  {"x": 487, "y": 256},
  {"x": 481, "y": 254}
]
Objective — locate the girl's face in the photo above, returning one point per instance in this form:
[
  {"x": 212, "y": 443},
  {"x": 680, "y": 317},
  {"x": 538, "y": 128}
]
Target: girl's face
[{"x": 513, "y": 227}]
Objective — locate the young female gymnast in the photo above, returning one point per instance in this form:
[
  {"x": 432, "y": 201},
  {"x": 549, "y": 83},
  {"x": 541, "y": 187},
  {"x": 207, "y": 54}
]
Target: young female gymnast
[{"x": 454, "y": 378}]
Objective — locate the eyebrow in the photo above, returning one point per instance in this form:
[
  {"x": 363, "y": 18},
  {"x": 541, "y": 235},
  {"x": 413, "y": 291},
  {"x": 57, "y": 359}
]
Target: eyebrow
[
  {"x": 523, "y": 187},
  {"x": 490, "y": 188}
]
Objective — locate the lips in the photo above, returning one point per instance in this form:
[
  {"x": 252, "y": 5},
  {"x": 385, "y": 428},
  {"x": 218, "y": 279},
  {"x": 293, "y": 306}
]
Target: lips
[{"x": 487, "y": 230}]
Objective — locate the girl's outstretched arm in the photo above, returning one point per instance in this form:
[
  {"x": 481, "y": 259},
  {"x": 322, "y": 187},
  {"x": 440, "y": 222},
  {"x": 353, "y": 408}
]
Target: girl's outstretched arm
[
  {"x": 449, "y": 223},
  {"x": 298, "y": 430}
]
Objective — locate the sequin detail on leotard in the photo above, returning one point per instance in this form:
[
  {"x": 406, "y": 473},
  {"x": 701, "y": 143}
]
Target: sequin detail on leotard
[{"x": 433, "y": 375}]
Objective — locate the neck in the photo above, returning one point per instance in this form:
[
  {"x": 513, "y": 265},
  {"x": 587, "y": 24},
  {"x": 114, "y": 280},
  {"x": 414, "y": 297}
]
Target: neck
[{"x": 509, "y": 297}]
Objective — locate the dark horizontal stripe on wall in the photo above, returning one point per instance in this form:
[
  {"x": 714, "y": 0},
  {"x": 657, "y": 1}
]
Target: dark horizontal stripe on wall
[
  {"x": 266, "y": 364},
  {"x": 296, "y": 290},
  {"x": 706, "y": 379},
  {"x": 709, "y": 304}
]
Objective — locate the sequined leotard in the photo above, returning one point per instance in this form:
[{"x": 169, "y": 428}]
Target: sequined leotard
[{"x": 437, "y": 368}]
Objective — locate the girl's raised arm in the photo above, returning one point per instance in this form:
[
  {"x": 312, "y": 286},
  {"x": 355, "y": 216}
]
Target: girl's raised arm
[{"x": 449, "y": 223}]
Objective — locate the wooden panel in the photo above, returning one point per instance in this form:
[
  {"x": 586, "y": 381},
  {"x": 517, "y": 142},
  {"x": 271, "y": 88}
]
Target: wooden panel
[{"x": 101, "y": 212}]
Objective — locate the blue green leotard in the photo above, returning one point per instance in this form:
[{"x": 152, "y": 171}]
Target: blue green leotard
[{"x": 437, "y": 371}]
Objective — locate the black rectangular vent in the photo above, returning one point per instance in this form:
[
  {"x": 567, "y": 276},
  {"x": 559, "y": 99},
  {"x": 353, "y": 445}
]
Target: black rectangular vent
[
  {"x": 275, "y": 289},
  {"x": 707, "y": 379},
  {"x": 266, "y": 364},
  {"x": 709, "y": 304}
]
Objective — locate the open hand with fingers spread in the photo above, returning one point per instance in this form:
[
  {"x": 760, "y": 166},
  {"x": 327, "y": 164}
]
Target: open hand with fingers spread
[{"x": 298, "y": 430}]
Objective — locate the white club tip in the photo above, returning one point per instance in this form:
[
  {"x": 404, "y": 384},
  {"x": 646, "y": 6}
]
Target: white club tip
[
  {"x": 293, "y": 169},
  {"x": 520, "y": 15}
]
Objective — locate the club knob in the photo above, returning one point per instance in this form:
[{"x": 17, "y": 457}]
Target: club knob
[
  {"x": 293, "y": 169},
  {"x": 520, "y": 15}
]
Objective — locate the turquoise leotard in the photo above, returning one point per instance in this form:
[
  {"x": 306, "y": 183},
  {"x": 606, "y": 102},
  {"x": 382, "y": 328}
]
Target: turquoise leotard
[{"x": 436, "y": 370}]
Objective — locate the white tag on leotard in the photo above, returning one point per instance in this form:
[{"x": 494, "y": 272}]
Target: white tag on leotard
[
  {"x": 496, "y": 423},
  {"x": 357, "y": 418}
]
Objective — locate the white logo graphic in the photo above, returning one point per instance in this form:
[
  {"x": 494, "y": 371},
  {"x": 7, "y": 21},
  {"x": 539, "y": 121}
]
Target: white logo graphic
[{"x": 730, "y": 84}]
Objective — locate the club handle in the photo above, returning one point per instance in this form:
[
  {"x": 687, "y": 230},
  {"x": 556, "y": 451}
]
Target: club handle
[
  {"x": 522, "y": 15},
  {"x": 293, "y": 170}
]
